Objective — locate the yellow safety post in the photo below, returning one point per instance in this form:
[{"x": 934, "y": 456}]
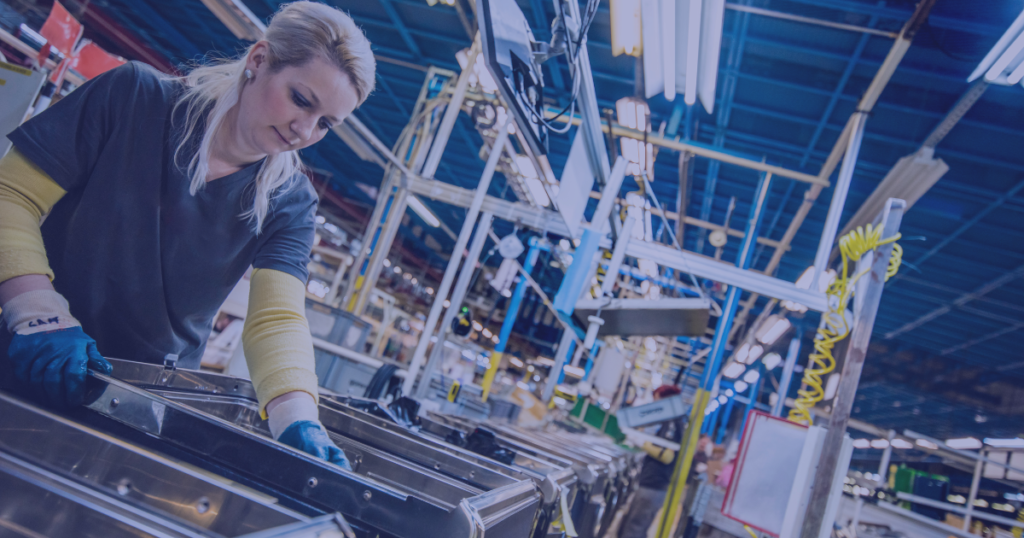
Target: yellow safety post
[{"x": 684, "y": 460}]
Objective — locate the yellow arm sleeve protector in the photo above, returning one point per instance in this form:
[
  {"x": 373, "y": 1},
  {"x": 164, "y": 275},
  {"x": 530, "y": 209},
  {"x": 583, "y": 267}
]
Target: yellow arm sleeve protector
[
  {"x": 26, "y": 194},
  {"x": 276, "y": 340},
  {"x": 659, "y": 453}
]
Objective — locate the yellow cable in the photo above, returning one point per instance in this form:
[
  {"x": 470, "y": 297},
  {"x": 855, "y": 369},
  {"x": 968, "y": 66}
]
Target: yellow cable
[
  {"x": 852, "y": 247},
  {"x": 1017, "y": 531}
]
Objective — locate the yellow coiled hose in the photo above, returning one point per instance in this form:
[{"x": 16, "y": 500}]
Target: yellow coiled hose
[{"x": 834, "y": 328}]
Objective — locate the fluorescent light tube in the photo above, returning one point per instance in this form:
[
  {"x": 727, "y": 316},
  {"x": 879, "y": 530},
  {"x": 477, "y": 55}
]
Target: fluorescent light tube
[
  {"x": 733, "y": 370},
  {"x": 689, "y": 17},
  {"x": 625, "y": 18},
  {"x": 668, "y": 44},
  {"x": 710, "y": 50},
  {"x": 654, "y": 71},
  {"x": 1016, "y": 442},
  {"x": 999, "y": 52},
  {"x": 771, "y": 360},
  {"x": 909, "y": 180},
  {"x": 751, "y": 376},
  {"x": 740, "y": 386},
  {"x": 772, "y": 331},
  {"x": 416, "y": 205},
  {"x": 966, "y": 443}
]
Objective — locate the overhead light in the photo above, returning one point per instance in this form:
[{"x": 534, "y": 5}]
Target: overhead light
[
  {"x": 804, "y": 282},
  {"x": 773, "y": 328},
  {"x": 446, "y": 303},
  {"x": 477, "y": 326},
  {"x": 397, "y": 270},
  {"x": 755, "y": 352},
  {"x": 908, "y": 180},
  {"x": 861, "y": 443},
  {"x": 544, "y": 361},
  {"x": 723, "y": 399},
  {"x": 965, "y": 443},
  {"x": 981, "y": 503},
  {"x": 924, "y": 443},
  {"x": 740, "y": 386},
  {"x": 1003, "y": 507},
  {"x": 956, "y": 499},
  {"x": 416, "y": 205},
  {"x": 880, "y": 443},
  {"x": 771, "y": 360},
  {"x": 430, "y": 291},
  {"x": 514, "y": 361},
  {"x": 751, "y": 376},
  {"x": 1004, "y": 64},
  {"x": 729, "y": 393},
  {"x": 832, "y": 385},
  {"x": 239, "y": 20},
  {"x": 495, "y": 339},
  {"x": 901, "y": 444},
  {"x": 625, "y": 18},
  {"x": 650, "y": 344},
  {"x": 573, "y": 371},
  {"x": 487, "y": 333},
  {"x": 540, "y": 196},
  {"x": 1016, "y": 442},
  {"x": 743, "y": 353},
  {"x": 733, "y": 370},
  {"x": 633, "y": 113},
  {"x": 693, "y": 70},
  {"x": 794, "y": 307},
  {"x": 387, "y": 262}
]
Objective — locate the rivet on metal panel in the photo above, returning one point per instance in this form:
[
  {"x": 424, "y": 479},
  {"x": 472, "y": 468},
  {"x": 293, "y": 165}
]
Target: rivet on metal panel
[
  {"x": 114, "y": 402},
  {"x": 312, "y": 482},
  {"x": 124, "y": 487},
  {"x": 437, "y": 466},
  {"x": 203, "y": 506},
  {"x": 367, "y": 495}
]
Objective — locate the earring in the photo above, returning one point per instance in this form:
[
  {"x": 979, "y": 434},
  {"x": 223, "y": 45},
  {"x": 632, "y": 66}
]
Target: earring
[{"x": 248, "y": 74}]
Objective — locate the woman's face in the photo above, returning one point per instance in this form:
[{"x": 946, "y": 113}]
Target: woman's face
[{"x": 294, "y": 107}]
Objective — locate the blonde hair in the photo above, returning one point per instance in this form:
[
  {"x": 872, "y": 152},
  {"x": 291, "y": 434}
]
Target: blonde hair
[{"x": 298, "y": 33}]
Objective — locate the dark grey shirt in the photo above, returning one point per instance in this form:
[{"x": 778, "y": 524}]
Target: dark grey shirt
[{"x": 144, "y": 264}]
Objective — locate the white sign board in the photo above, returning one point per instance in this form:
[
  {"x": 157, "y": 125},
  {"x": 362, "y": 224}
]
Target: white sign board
[
  {"x": 575, "y": 186},
  {"x": 18, "y": 90},
  {"x": 775, "y": 467}
]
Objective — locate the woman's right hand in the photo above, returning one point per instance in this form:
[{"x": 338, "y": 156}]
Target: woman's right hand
[
  {"x": 49, "y": 352},
  {"x": 52, "y": 365}
]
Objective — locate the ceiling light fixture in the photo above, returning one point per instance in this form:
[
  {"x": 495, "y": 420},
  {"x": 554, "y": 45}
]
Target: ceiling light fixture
[
  {"x": 743, "y": 353},
  {"x": 751, "y": 376},
  {"x": 740, "y": 386},
  {"x": 733, "y": 370},
  {"x": 773, "y": 329},
  {"x": 239, "y": 20},
  {"x": 771, "y": 360},
  {"x": 901, "y": 444},
  {"x": 965, "y": 443},
  {"x": 1004, "y": 64},
  {"x": 625, "y": 18},
  {"x": 1015, "y": 442},
  {"x": 755, "y": 352}
]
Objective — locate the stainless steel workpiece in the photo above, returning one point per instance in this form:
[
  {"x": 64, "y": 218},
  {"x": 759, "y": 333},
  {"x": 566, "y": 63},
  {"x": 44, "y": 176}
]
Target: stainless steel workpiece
[
  {"x": 505, "y": 501},
  {"x": 67, "y": 461}
]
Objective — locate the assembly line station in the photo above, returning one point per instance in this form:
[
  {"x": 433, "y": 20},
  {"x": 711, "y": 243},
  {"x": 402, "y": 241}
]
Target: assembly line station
[{"x": 779, "y": 241}]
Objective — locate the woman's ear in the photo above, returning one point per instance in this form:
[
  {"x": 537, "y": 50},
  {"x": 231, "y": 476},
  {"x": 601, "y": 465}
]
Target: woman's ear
[{"x": 257, "y": 57}]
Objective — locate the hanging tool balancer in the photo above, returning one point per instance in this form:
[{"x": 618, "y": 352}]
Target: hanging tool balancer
[{"x": 463, "y": 322}]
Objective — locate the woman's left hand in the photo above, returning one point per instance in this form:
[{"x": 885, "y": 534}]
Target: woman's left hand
[
  {"x": 295, "y": 421},
  {"x": 311, "y": 438}
]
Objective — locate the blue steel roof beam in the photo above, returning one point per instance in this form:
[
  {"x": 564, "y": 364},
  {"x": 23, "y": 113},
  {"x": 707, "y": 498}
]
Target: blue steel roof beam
[
  {"x": 401, "y": 28},
  {"x": 885, "y": 139},
  {"x": 980, "y": 291},
  {"x": 169, "y": 33},
  {"x": 818, "y": 129},
  {"x": 736, "y": 44},
  {"x": 902, "y": 15},
  {"x": 963, "y": 228}
]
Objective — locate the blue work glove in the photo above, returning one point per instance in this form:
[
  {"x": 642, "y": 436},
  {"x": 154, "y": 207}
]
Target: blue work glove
[
  {"x": 53, "y": 364},
  {"x": 310, "y": 437}
]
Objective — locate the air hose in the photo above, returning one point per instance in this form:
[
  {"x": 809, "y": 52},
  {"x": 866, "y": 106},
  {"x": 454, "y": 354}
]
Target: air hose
[{"x": 834, "y": 326}]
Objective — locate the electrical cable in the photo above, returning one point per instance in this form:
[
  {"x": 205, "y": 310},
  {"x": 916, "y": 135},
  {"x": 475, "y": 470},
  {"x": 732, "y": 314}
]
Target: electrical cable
[{"x": 834, "y": 326}]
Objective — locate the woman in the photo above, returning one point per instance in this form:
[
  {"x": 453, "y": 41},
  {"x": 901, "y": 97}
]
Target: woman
[{"x": 158, "y": 194}]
